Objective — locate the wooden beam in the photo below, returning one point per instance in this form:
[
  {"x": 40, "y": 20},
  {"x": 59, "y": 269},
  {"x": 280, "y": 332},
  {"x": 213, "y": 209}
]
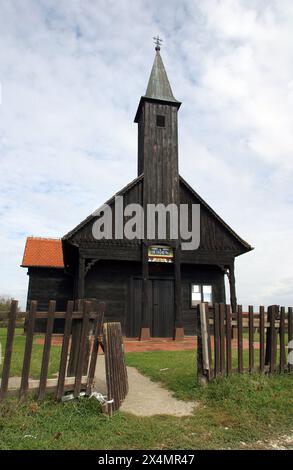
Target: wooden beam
[{"x": 232, "y": 284}]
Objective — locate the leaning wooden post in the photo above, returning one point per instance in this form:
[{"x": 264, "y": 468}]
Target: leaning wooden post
[{"x": 203, "y": 360}]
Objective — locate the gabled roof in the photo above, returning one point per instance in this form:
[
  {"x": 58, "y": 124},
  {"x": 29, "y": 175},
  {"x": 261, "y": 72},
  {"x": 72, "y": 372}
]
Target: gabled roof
[
  {"x": 109, "y": 202},
  {"x": 43, "y": 252},
  {"x": 212, "y": 212},
  {"x": 245, "y": 245}
]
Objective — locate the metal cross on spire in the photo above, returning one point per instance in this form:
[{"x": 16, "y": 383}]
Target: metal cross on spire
[{"x": 157, "y": 41}]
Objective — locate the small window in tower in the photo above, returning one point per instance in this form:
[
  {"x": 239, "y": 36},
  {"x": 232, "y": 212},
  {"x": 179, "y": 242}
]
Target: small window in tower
[{"x": 160, "y": 120}]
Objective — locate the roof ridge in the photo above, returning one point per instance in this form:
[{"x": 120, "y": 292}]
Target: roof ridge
[{"x": 50, "y": 239}]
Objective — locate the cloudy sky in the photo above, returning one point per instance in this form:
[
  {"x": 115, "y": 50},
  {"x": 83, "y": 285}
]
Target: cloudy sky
[{"x": 72, "y": 73}]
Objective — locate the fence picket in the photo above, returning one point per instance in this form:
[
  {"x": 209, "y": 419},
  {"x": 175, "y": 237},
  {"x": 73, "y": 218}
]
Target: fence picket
[
  {"x": 217, "y": 339},
  {"x": 261, "y": 338},
  {"x": 8, "y": 349},
  {"x": 282, "y": 340},
  {"x": 228, "y": 340},
  {"x": 290, "y": 339},
  {"x": 82, "y": 348},
  {"x": 64, "y": 350},
  {"x": 222, "y": 338},
  {"x": 240, "y": 339},
  {"x": 251, "y": 337},
  {"x": 47, "y": 349},
  {"x": 28, "y": 349},
  {"x": 271, "y": 338}
]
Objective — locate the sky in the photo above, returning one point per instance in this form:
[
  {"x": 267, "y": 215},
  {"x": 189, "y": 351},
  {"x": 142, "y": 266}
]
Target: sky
[{"x": 71, "y": 76}]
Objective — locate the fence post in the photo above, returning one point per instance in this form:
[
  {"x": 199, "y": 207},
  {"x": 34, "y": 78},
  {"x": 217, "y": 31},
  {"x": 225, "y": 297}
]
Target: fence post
[
  {"x": 290, "y": 338},
  {"x": 282, "y": 340},
  {"x": 203, "y": 362},
  {"x": 64, "y": 350},
  {"x": 240, "y": 339},
  {"x": 46, "y": 350},
  {"x": 261, "y": 338},
  {"x": 8, "y": 348},
  {"x": 271, "y": 343},
  {"x": 228, "y": 340},
  {"x": 28, "y": 349},
  {"x": 216, "y": 339},
  {"x": 251, "y": 337}
]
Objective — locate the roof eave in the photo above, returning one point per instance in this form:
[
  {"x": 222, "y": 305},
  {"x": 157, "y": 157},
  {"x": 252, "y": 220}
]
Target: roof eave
[
  {"x": 38, "y": 266},
  {"x": 144, "y": 98}
]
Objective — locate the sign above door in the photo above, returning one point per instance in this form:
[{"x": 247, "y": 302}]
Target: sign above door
[{"x": 160, "y": 254}]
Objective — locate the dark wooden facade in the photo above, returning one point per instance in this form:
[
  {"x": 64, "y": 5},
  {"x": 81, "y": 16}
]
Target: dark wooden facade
[{"x": 149, "y": 299}]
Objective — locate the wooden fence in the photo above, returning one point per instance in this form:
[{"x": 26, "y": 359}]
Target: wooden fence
[
  {"x": 238, "y": 342},
  {"x": 84, "y": 334}
]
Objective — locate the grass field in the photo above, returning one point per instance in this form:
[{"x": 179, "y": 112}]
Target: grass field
[{"x": 233, "y": 412}]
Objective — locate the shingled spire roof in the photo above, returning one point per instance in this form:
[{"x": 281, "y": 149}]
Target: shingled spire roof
[{"x": 159, "y": 87}]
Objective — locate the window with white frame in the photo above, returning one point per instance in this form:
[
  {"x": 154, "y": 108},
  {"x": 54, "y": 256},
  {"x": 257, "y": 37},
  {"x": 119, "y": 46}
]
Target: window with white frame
[{"x": 201, "y": 293}]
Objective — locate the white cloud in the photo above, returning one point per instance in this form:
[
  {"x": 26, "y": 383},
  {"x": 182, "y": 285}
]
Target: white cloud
[{"x": 72, "y": 74}]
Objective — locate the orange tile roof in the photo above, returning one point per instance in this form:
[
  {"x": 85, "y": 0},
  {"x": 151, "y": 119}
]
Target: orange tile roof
[{"x": 43, "y": 252}]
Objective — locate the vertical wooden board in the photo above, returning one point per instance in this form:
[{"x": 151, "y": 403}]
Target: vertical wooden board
[
  {"x": 46, "y": 350},
  {"x": 217, "y": 339},
  {"x": 108, "y": 370},
  {"x": 95, "y": 346},
  {"x": 64, "y": 350},
  {"x": 222, "y": 338},
  {"x": 282, "y": 340},
  {"x": 82, "y": 348},
  {"x": 228, "y": 340},
  {"x": 8, "y": 349},
  {"x": 290, "y": 339},
  {"x": 74, "y": 349},
  {"x": 200, "y": 367},
  {"x": 251, "y": 338},
  {"x": 210, "y": 376},
  {"x": 240, "y": 339},
  {"x": 261, "y": 339},
  {"x": 272, "y": 337},
  {"x": 75, "y": 340},
  {"x": 116, "y": 374},
  {"x": 28, "y": 349}
]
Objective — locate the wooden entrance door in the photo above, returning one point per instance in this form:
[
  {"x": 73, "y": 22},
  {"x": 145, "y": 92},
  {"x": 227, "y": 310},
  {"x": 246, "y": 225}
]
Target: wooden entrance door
[
  {"x": 161, "y": 308},
  {"x": 162, "y": 324}
]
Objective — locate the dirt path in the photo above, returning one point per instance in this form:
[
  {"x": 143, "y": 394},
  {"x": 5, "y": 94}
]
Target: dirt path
[{"x": 145, "y": 398}]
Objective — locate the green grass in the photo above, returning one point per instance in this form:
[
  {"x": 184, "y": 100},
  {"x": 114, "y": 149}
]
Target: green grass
[
  {"x": 18, "y": 350},
  {"x": 231, "y": 410}
]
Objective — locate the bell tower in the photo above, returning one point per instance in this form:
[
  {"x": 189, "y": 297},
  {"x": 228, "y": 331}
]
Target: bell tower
[{"x": 158, "y": 162}]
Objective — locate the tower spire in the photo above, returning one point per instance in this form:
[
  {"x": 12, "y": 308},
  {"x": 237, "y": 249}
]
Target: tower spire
[{"x": 159, "y": 86}]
